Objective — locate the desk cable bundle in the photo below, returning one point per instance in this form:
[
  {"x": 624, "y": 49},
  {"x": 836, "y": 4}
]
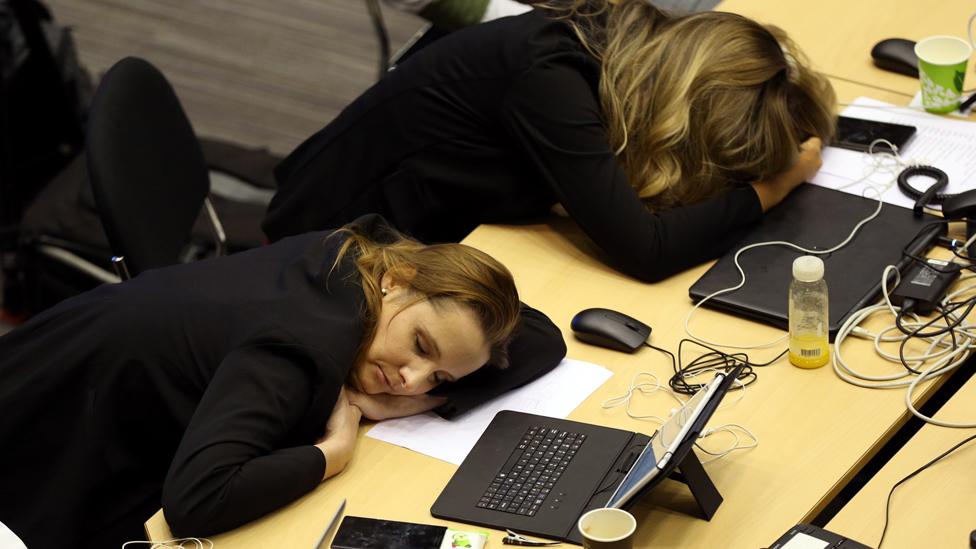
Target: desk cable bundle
[
  {"x": 647, "y": 383},
  {"x": 949, "y": 346}
]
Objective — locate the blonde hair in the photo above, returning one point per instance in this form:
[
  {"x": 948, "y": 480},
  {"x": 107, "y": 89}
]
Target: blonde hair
[
  {"x": 698, "y": 102},
  {"x": 440, "y": 274}
]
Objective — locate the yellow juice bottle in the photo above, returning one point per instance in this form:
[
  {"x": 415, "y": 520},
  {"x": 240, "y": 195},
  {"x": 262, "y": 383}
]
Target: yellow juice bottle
[{"x": 809, "y": 344}]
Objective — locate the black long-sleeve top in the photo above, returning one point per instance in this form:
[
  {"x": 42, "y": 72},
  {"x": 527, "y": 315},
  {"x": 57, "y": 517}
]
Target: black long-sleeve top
[
  {"x": 495, "y": 123},
  {"x": 201, "y": 387}
]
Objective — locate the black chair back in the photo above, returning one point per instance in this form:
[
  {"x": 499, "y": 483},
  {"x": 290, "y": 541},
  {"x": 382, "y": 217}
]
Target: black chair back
[{"x": 147, "y": 171}]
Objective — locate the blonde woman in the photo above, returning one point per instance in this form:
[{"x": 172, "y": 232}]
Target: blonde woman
[
  {"x": 224, "y": 389},
  {"x": 662, "y": 137}
]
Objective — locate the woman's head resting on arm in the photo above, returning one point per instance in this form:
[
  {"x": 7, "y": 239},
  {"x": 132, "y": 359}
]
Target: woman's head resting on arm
[
  {"x": 435, "y": 313},
  {"x": 696, "y": 103}
]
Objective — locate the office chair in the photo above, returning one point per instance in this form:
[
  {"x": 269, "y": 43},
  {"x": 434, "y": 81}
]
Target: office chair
[{"x": 147, "y": 170}]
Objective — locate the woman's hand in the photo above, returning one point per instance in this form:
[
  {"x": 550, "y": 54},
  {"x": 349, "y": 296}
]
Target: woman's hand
[
  {"x": 339, "y": 440},
  {"x": 385, "y": 406},
  {"x": 771, "y": 191}
]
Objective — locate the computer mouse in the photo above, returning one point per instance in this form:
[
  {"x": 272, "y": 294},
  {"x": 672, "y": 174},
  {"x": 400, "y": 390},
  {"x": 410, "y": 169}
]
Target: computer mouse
[
  {"x": 896, "y": 55},
  {"x": 610, "y": 329}
]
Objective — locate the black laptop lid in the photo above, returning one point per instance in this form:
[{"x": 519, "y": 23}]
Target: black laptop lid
[{"x": 816, "y": 218}]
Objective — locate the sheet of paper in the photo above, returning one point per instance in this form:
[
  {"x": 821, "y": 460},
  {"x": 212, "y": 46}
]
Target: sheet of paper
[
  {"x": 947, "y": 144},
  {"x": 555, "y": 394}
]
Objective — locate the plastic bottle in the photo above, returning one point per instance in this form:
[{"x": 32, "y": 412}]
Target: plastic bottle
[{"x": 809, "y": 344}]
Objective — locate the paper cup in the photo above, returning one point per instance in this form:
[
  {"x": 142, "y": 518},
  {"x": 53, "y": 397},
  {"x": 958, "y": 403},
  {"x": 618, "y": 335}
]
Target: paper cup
[
  {"x": 607, "y": 528},
  {"x": 941, "y": 69}
]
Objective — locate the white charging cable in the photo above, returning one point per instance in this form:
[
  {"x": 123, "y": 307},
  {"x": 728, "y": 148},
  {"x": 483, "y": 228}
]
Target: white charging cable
[
  {"x": 646, "y": 388},
  {"x": 652, "y": 385},
  {"x": 947, "y": 351},
  {"x": 732, "y": 429},
  {"x": 181, "y": 543}
]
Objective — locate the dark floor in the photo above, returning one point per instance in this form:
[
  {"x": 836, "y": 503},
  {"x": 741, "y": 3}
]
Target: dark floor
[{"x": 250, "y": 71}]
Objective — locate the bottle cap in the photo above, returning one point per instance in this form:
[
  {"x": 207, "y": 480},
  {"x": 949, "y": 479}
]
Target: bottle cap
[{"x": 808, "y": 268}]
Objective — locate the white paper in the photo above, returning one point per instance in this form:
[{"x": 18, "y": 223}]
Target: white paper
[
  {"x": 945, "y": 143},
  {"x": 805, "y": 541},
  {"x": 555, "y": 394},
  {"x": 916, "y": 103}
]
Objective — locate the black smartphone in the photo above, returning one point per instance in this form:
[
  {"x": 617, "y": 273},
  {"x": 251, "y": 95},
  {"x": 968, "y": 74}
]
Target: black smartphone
[
  {"x": 370, "y": 533},
  {"x": 857, "y": 134}
]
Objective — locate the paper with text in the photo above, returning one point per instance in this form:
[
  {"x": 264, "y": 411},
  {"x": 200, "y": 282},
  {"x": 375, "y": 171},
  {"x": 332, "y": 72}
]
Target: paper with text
[
  {"x": 555, "y": 394},
  {"x": 946, "y": 143}
]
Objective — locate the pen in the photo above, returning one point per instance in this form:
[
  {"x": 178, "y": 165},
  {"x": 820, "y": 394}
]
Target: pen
[
  {"x": 514, "y": 538},
  {"x": 968, "y": 103},
  {"x": 331, "y": 526}
]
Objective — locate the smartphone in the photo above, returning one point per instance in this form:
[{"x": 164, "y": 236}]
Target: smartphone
[
  {"x": 370, "y": 533},
  {"x": 857, "y": 134}
]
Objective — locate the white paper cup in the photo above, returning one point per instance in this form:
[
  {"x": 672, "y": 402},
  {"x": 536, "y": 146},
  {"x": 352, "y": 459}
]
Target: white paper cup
[{"x": 607, "y": 528}]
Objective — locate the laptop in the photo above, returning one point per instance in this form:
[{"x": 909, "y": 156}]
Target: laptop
[
  {"x": 537, "y": 475},
  {"x": 817, "y": 218}
]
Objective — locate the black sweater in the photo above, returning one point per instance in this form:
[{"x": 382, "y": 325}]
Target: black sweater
[
  {"x": 495, "y": 123},
  {"x": 201, "y": 387}
]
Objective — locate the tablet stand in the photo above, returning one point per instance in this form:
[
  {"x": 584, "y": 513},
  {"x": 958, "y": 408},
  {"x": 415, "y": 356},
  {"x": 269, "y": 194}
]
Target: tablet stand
[
  {"x": 691, "y": 473},
  {"x": 686, "y": 468}
]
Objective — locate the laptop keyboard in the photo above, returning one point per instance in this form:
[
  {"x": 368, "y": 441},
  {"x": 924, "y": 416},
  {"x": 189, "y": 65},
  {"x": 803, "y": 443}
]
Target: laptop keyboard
[{"x": 523, "y": 483}]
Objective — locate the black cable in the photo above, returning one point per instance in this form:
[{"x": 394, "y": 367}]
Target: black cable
[
  {"x": 968, "y": 304},
  {"x": 944, "y": 313},
  {"x": 944, "y": 270},
  {"x": 713, "y": 360},
  {"x": 933, "y": 192},
  {"x": 916, "y": 333},
  {"x": 917, "y": 471}
]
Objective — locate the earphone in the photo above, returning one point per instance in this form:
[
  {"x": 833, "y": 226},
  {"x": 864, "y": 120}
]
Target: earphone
[
  {"x": 179, "y": 543},
  {"x": 649, "y": 388}
]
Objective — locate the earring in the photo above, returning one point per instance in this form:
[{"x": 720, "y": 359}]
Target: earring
[{"x": 384, "y": 291}]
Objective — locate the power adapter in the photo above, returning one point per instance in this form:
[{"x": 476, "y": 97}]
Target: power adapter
[{"x": 924, "y": 285}]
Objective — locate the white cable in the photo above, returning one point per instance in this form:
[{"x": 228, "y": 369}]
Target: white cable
[
  {"x": 649, "y": 388},
  {"x": 730, "y": 429},
  {"x": 926, "y": 375},
  {"x": 949, "y": 357},
  {"x": 197, "y": 543},
  {"x": 877, "y": 159},
  {"x": 645, "y": 388}
]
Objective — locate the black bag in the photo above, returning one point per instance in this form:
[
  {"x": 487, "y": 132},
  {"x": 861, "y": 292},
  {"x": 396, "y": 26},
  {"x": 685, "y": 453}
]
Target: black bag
[{"x": 45, "y": 95}]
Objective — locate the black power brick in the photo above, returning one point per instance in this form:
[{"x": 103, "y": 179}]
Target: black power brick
[{"x": 924, "y": 284}]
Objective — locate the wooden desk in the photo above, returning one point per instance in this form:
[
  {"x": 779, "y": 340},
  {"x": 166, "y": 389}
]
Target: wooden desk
[
  {"x": 933, "y": 509},
  {"x": 838, "y": 35},
  {"x": 815, "y": 431}
]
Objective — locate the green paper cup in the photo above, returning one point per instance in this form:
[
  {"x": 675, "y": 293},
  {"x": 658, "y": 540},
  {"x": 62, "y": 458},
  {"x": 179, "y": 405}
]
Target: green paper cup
[{"x": 941, "y": 69}]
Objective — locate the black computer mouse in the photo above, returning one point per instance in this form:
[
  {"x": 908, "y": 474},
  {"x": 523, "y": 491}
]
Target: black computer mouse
[
  {"x": 896, "y": 55},
  {"x": 610, "y": 329}
]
